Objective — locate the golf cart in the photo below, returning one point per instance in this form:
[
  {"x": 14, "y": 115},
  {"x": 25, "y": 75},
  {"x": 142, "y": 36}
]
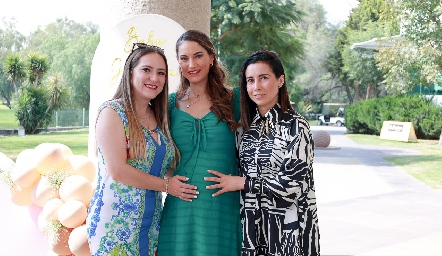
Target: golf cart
[
  {"x": 337, "y": 120},
  {"x": 326, "y": 119}
]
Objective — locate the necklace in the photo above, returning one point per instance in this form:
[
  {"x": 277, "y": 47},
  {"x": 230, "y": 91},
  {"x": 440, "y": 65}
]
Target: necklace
[
  {"x": 197, "y": 96},
  {"x": 146, "y": 125}
]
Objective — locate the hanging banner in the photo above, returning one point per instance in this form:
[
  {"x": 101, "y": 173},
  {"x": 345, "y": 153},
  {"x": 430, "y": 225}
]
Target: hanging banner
[{"x": 400, "y": 131}]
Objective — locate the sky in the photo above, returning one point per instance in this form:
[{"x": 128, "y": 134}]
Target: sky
[
  {"x": 29, "y": 14},
  {"x": 338, "y": 10}
]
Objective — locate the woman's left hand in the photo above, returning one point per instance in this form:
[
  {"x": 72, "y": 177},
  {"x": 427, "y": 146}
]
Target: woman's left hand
[{"x": 224, "y": 182}]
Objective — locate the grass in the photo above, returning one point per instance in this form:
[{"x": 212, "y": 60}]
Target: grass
[
  {"x": 426, "y": 167},
  {"x": 7, "y": 118},
  {"x": 76, "y": 140}
]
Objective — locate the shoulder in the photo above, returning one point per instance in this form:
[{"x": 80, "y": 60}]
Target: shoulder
[
  {"x": 295, "y": 121},
  {"x": 116, "y": 105},
  {"x": 172, "y": 100}
]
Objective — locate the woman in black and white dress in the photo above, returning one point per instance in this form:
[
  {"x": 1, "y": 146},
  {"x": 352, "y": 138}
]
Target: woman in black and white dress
[{"x": 275, "y": 149}]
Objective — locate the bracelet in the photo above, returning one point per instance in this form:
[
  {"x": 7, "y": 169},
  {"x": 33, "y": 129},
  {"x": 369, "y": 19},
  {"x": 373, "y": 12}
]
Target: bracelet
[{"x": 167, "y": 185}]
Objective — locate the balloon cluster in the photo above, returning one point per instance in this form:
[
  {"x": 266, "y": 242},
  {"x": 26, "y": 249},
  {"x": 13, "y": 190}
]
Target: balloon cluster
[{"x": 59, "y": 186}]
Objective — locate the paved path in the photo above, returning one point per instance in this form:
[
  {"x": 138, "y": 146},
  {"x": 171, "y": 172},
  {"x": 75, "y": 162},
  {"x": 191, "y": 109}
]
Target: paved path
[{"x": 367, "y": 207}]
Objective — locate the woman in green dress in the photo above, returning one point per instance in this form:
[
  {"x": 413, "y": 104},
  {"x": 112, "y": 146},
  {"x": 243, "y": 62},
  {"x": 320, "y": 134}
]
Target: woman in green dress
[{"x": 204, "y": 114}]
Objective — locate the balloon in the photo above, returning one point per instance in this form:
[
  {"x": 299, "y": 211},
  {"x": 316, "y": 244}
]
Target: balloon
[
  {"x": 81, "y": 165},
  {"x": 51, "y": 207},
  {"x": 42, "y": 191},
  {"x": 78, "y": 243},
  {"x": 72, "y": 214},
  {"x": 25, "y": 156},
  {"x": 67, "y": 152},
  {"x": 6, "y": 163},
  {"x": 60, "y": 246},
  {"x": 76, "y": 187},
  {"x": 21, "y": 196},
  {"x": 47, "y": 156},
  {"x": 42, "y": 223},
  {"x": 25, "y": 175},
  {"x": 34, "y": 211}
]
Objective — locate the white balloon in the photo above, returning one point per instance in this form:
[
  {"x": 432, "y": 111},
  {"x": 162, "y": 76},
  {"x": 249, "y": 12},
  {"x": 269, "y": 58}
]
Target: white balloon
[{"x": 6, "y": 163}]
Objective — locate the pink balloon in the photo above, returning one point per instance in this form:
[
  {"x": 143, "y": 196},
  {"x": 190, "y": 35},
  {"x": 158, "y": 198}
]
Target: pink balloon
[
  {"x": 34, "y": 210},
  {"x": 19, "y": 234}
]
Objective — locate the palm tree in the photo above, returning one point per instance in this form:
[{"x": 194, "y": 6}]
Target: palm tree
[
  {"x": 15, "y": 69},
  {"x": 37, "y": 67},
  {"x": 58, "y": 96}
]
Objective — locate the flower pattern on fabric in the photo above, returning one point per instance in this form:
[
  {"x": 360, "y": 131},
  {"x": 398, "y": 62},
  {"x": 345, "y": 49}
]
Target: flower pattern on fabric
[{"x": 117, "y": 212}]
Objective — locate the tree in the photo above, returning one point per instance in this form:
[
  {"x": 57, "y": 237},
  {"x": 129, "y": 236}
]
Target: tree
[
  {"x": 58, "y": 95},
  {"x": 239, "y": 28},
  {"x": 37, "y": 67},
  {"x": 354, "y": 70},
  {"x": 10, "y": 38},
  {"x": 30, "y": 108},
  {"x": 417, "y": 60},
  {"x": 69, "y": 48},
  {"x": 74, "y": 63},
  {"x": 6, "y": 88},
  {"x": 15, "y": 69},
  {"x": 315, "y": 82}
]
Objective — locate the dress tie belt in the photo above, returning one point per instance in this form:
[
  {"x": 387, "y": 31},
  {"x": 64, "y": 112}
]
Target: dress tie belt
[{"x": 199, "y": 135}]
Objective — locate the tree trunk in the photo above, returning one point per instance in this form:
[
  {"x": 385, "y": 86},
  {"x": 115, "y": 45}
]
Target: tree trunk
[
  {"x": 357, "y": 93},
  {"x": 347, "y": 91},
  {"x": 367, "y": 96},
  {"x": 39, "y": 122}
]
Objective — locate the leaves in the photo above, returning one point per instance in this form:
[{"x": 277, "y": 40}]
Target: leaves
[{"x": 239, "y": 28}]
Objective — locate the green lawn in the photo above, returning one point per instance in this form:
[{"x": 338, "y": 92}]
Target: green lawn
[
  {"x": 76, "y": 140},
  {"x": 426, "y": 167},
  {"x": 7, "y": 118}
]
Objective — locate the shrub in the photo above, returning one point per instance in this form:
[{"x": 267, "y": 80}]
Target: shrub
[
  {"x": 31, "y": 108},
  {"x": 367, "y": 117}
]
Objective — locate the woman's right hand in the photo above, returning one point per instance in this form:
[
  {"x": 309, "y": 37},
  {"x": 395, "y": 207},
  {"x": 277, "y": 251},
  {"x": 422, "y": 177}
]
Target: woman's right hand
[{"x": 178, "y": 188}]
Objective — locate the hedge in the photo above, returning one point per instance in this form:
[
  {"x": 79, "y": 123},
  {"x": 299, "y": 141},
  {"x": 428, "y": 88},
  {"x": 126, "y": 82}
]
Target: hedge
[{"x": 367, "y": 116}]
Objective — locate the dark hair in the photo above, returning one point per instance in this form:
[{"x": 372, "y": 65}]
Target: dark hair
[
  {"x": 220, "y": 94},
  {"x": 137, "y": 146},
  {"x": 248, "y": 107}
]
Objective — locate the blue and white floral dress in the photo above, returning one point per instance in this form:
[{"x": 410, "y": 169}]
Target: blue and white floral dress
[{"x": 123, "y": 220}]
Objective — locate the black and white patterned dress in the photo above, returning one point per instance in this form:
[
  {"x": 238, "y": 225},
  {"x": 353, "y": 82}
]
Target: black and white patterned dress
[{"x": 278, "y": 203}]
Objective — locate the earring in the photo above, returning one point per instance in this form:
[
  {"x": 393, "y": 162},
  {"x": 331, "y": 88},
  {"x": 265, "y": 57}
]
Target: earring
[
  {"x": 280, "y": 86},
  {"x": 211, "y": 65}
]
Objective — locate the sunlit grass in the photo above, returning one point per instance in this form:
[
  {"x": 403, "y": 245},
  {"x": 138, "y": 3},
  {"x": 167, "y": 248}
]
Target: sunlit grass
[
  {"x": 76, "y": 140},
  {"x": 426, "y": 167},
  {"x": 7, "y": 118}
]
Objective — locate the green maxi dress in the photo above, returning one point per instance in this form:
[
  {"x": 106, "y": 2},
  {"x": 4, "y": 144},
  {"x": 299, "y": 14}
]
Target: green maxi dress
[{"x": 207, "y": 225}]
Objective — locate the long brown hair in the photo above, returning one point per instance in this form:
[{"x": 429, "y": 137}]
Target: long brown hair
[
  {"x": 220, "y": 94},
  {"x": 248, "y": 107},
  {"x": 137, "y": 145}
]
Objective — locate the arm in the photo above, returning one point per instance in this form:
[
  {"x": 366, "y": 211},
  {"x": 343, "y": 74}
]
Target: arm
[
  {"x": 111, "y": 140},
  {"x": 294, "y": 178}
]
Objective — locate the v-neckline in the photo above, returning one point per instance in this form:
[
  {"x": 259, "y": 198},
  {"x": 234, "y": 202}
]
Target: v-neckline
[{"x": 150, "y": 134}]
